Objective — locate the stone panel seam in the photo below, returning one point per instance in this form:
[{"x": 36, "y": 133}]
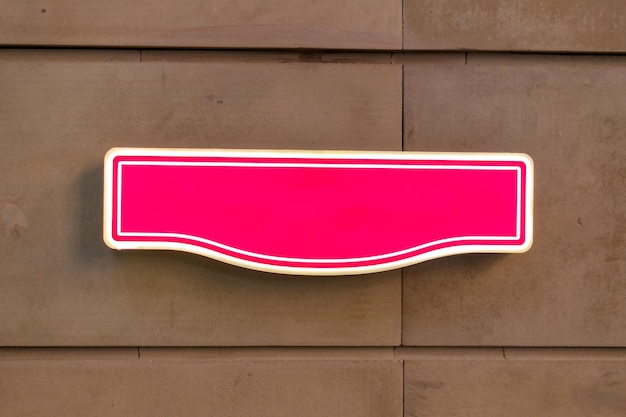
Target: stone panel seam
[{"x": 391, "y": 353}]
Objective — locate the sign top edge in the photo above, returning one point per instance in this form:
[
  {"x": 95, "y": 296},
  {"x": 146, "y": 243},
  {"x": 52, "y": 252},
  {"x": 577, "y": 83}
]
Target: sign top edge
[{"x": 327, "y": 154}]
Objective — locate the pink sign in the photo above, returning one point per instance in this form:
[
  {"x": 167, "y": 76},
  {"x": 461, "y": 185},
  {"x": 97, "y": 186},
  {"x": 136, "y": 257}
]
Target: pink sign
[{"x": 317, "y": 213}]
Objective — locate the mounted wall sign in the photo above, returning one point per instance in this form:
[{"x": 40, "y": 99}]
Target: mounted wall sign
[{"x": 317, "y": 213}]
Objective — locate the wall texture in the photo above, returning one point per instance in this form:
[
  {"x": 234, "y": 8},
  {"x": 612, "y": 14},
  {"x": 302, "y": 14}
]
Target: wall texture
[{"x": 85, "y": 330}]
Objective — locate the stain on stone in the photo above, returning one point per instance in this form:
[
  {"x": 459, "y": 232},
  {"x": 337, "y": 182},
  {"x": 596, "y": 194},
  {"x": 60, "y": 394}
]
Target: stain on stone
[
  {"x": 12, "y": 219},
  {"x": 427, "y": 385},
  {"x": 604, "y": 395},
  {"x": 212, "y": 99},
  {"x": 410, "y": 132},
  {"x": 172, "y": 315}
]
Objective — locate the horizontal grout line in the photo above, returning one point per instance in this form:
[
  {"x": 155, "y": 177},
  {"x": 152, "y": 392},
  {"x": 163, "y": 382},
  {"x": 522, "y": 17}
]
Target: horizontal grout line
[
  {"x": 449, "y": 353},
  {"x": 309, "y": 50},
  {"x": 196, "y": 353},
  {"x": 558, "y": 353},
  {"x": 287, "y": 55},
  {"x": 67, "y": 353},
  {"x": 315, "y": 353},
  {"x": 512, "y": 353},
  {"x": 270, "y": 353}
]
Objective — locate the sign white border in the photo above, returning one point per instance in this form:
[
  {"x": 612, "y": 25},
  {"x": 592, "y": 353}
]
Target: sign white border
[{"x": 391, "y": 156}]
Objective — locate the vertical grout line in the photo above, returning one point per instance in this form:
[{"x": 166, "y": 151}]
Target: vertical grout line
[
  {"x": 401, "y": 304},
  {"x": 402, "y": 129},
  {"x": 138, "y": 352},
  {"x": 403, "y": 391},
  {"x": 402, "y": 43},
  {"x": 465, "y": 58}
]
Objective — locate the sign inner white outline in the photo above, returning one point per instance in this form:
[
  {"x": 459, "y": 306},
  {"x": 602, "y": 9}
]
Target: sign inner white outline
[{"x": 314, "y": 165}]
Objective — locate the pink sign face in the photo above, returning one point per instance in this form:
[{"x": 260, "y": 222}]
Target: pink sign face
[{"x": 317, "y": 213}]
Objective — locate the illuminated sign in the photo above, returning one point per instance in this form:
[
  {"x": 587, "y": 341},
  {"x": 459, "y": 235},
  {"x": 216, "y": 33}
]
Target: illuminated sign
[{"x": 317, "y": 212}]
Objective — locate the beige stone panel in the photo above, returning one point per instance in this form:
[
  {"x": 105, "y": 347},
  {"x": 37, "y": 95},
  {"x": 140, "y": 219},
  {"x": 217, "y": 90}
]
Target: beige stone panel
[
  {"x": 199, "y": 388},
  {"x": 555, "y": 387},
  {"x": 60, "y": 285},
  {"x": 353, "y": 24},
  {"x": 515, "y": 25},
  {"x": 568, "y": 115}
]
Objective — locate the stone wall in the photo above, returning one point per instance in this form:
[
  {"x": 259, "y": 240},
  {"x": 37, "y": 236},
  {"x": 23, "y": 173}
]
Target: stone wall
[{"x": 86, "y": 330}]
